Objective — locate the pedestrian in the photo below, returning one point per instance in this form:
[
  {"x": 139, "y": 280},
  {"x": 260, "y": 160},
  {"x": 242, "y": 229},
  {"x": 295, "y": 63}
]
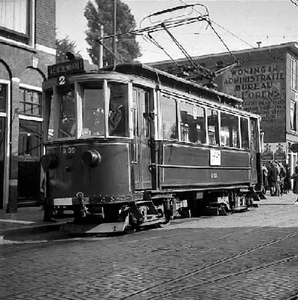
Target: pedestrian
[
  {"x": 272, "y": 177},
  {"x": 281, "y": 177},
  {"x": 287, "y": 181},
  {"x": 265, "y": 178},
  {"x": 295, "y": 177},
  {"x": 278, "y": 179}
]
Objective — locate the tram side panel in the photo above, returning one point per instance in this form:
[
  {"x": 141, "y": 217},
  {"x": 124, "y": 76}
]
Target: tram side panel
[{"x": 203, "y": 168}]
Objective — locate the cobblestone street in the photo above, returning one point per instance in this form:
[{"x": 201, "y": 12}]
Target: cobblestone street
[{"x": 250, "y": 255}]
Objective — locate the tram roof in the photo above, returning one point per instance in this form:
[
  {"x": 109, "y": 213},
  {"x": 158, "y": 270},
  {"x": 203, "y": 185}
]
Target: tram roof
[{"x": 146, "y": 71}]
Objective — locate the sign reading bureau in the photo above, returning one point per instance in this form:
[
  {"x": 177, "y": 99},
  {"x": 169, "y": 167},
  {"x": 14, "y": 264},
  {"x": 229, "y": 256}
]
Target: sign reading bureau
[{"x": 261, "y": 88}]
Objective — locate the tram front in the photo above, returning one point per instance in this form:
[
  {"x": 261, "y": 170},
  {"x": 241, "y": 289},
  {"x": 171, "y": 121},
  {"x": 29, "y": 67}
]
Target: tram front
[{"x": 87, "y": 146}]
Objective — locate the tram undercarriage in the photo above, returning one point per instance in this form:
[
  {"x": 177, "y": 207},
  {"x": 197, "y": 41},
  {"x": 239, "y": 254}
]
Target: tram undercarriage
[{"x": 153, "y": 211}]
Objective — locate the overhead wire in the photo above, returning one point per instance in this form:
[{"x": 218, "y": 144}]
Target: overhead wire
[
  {"x": 234, "y": 35},
  {"x": 217, "y": 34}
]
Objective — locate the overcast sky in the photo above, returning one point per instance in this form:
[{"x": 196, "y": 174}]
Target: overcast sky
[{"x": 239, "y": 23}]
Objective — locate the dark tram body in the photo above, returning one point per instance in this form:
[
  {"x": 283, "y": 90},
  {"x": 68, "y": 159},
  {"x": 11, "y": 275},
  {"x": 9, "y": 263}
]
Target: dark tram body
[{"x": 135, "y": 146}]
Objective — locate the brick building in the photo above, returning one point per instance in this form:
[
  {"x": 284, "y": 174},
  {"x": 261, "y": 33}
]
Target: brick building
[
  {"x": 267, "y": 81},
  {"x": 27, "y": 46}
]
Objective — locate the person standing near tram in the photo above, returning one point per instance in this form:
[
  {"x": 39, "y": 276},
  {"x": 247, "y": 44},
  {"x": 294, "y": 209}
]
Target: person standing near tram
[
  {"x": 287, "y": 182},
  {"x": 295, "y": 177},
  {"x": 272, "y": 179},
  {"x": 265, "y": 177}
]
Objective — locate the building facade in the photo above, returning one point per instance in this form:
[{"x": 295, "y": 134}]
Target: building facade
[
  {"x": 266, "y": 78},
  {"x": 27, "y": 47}
]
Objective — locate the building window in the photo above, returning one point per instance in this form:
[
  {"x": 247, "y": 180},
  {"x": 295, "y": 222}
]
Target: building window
[
  {"x": 30, "y": 103},
  {"x": 3, "y": 97},
  {"x": 293, "y": 115},
  {"x": 15, "y": 19},
  {"x": 30, "y": 138},
  {"x": 294, "y": 74}
]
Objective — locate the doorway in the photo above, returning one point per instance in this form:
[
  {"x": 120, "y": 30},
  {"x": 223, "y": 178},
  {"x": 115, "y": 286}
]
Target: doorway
[{"x": 143, "y": 127}]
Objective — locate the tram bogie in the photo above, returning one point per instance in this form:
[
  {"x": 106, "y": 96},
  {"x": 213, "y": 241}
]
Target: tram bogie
[{"x": 138, "y": 147}]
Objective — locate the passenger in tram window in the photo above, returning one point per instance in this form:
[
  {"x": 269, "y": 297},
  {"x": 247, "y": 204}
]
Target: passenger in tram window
[
  {"x": 68, "y": 115},
  {"x": 193, "y": 133},
  {"x": 116, "y": 119}
]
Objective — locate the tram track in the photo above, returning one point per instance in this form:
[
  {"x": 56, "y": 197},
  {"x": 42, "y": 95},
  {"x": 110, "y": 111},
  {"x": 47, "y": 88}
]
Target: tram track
[
  {"x": 218, "y": 263},
  {"x": 226, "y": 276}
]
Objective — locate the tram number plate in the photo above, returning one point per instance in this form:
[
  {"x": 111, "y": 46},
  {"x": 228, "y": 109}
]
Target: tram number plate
[
  {"x": 214, "y": 175},
  {"x": 69, "y": 150}
]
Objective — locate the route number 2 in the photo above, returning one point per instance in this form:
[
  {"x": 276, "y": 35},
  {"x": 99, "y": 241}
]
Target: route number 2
[{"x": 62, "y": 80}]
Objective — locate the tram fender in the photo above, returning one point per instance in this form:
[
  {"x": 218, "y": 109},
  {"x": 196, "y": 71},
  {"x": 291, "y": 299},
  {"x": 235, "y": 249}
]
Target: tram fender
[{"x": 109, "y": 227}]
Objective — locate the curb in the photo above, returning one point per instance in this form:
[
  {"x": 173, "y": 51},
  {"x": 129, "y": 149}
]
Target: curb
[{"x": 35, "y": 229}]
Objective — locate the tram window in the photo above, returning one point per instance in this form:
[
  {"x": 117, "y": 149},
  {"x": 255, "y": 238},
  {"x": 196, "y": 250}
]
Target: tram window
[
  {"x": 93, "y": 109},
  {"x": 212, "y": 121},
  {"x": 229, "y": 134},
  {"x": 192, "y": 126},
  {"x": 244, "y": 133},
  {"x": 68, "y": 121},
  {"x": 254, "y": 134},
  {"x": 118, "y": 115},
  {"x": 169, "y": 118},
  {"x": 141, "y": 97}
]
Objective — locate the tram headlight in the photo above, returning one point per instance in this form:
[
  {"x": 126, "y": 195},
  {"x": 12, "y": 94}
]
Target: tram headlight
[
  {"x": 91, "y": 158},
  {"x": 49, "y": 161}
]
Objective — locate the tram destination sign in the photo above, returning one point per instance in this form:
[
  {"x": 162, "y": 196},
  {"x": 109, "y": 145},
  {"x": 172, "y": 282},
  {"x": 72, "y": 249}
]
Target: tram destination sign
[{"x": 65, "y": 68}]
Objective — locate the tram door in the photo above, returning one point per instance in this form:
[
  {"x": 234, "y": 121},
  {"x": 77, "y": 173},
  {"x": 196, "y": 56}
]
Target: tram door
[{"x": 142, "y": 151}]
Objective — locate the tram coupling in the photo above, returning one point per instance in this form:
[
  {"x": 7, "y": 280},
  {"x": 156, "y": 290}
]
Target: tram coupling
[{"x": 83, "y": 208}]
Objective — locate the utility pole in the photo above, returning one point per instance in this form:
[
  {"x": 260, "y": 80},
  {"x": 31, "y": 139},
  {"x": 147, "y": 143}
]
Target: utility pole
[
  {"x": 100, "y": 50},
  {"x": 114, "y": 33}
]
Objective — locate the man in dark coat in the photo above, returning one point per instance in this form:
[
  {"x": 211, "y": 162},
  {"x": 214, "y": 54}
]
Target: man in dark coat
[
  {"x": 295, "y": 177},
  {"x": 272, "y": 178}
]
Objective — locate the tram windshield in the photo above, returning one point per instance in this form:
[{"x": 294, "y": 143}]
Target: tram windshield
[
  {"x": 87, "y": 109},
  {"x": 117, "y": 118},
  {"x": 93, "y": 109}
]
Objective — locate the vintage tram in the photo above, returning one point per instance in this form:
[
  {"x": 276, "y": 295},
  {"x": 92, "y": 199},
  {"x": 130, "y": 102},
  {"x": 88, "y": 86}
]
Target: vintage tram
[{"x": 132, "y": 146}]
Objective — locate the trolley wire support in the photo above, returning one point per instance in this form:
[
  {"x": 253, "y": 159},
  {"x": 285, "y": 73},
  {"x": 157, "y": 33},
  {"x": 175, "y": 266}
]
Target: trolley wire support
[{"x": 185, "y": 17}]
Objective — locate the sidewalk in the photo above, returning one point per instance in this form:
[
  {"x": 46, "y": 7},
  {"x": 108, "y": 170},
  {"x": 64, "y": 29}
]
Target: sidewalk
[{"x": 27, "y": 220}]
